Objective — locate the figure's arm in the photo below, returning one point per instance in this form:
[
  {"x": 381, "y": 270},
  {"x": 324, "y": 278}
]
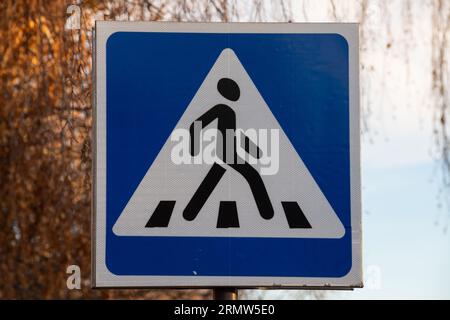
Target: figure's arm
[
  {"x": 197, "y": 126},
  {"x": 250, "y": 147}
]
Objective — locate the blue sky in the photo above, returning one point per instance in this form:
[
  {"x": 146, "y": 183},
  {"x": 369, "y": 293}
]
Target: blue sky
[{"x": 406, "y": 250}]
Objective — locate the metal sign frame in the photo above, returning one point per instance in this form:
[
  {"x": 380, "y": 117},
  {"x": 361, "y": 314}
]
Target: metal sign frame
[{"x": 102, "y": 277}]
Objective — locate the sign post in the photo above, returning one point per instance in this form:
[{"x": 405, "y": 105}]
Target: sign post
[
  {"x": 225, "y": 293},
  {"x": 227, "y": 156}
]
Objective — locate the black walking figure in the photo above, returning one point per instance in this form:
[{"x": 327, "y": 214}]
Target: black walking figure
[{"x": 226, "y": 120}]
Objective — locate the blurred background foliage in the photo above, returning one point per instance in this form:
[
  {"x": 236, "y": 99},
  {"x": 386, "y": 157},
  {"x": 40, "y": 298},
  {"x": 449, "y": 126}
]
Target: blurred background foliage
[{"x": 46, "y": 121}]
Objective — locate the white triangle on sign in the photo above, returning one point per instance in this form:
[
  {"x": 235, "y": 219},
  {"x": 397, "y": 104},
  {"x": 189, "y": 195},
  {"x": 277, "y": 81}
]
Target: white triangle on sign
[{"x": 167, "y": 181}]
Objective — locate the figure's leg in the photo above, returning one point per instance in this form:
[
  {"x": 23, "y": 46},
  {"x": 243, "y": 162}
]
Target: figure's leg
[
  {"x": 258, "y": 189},
  {"x": 203, "y": 192}
]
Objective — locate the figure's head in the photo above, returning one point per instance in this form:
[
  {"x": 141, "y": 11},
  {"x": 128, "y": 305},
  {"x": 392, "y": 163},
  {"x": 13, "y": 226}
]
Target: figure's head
[{"x": 229, "y": 89}]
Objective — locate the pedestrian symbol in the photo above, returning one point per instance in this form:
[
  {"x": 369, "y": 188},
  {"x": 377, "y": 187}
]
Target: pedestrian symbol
[{"x": 232, "y": 196}]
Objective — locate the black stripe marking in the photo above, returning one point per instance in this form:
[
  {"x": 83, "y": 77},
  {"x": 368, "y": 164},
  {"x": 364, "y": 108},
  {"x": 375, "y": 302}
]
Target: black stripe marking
[
  {"x": 295, "y": 216},
  {"x": 228, "y": 215},
  {"x": 161, "y": 215}
]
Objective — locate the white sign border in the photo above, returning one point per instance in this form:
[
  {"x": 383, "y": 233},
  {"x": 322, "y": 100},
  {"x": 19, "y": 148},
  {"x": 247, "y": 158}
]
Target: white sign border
[{"x": 102, "y": 277}]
